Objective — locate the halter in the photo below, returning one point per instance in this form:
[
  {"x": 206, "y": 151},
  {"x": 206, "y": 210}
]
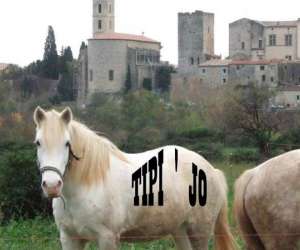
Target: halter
[{"x": 56, "y": 170}]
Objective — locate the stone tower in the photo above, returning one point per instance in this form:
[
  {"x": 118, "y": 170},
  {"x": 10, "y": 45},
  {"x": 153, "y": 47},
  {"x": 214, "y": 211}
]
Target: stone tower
[
  {"x": 103, "y": 16},
  {"x": 195, "y": 39}
]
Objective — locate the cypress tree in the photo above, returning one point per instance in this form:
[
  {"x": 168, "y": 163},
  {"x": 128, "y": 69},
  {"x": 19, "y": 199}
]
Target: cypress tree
[{"x": 50, "y": 60}]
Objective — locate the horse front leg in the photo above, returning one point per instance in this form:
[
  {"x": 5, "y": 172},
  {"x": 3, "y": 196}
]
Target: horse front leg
[
  {"x": 108, "y": 241},
  {"x": 71, "y": 243}
]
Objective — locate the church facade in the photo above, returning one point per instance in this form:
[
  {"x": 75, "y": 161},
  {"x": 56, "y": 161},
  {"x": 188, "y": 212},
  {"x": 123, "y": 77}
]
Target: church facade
[{"x": 111, "y": 58}]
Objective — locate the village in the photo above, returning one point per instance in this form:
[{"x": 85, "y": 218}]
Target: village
[{"x": 115, "y": 144}]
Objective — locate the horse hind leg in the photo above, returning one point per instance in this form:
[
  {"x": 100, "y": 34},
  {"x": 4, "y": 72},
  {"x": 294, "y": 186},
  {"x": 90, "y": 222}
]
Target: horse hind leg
[
  {"x": 182, "y": 240},
  {"x": 199, "y": 239}
]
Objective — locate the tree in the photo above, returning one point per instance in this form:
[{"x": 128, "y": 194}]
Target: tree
[
  {"x": 83, "y": 46},
  {"x": 50, "y": 59},
  {"x": 128, "y": 83},
  {"x": 65, "y": 87},
  {"x": 247, "y": 109},
  {"x": 65, "y": 59},
  {"x": 163, "y": 77},
  {"x": 68, "y": 54}
]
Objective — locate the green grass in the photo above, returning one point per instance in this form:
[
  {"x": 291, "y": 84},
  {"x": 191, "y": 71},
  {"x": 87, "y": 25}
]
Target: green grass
[{"x": 41, "y": 234}]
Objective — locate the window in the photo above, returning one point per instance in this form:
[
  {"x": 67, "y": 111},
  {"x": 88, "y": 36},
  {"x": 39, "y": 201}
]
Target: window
[
  {"x": 243, "y": 45},
  {"x": 263, "y": 78},
  {"x": 111, "y": 75},
  {"x": 260, "y": 44},
  {"x": 91, "y": 75},
  {"x": 99, "y": 24},
  {"x": 238, "y": 67},
  {"x": 99, "y": 8},
  {"x": 272, "y": 40},
  {"x": 224, "y": 80},
  {"x": 198, "y": 60},
  {"x": 110, "y": 8},
  {"x": 203, "y": 71},
  {"x": 288, "y": 58},
  {"x": 272, "y": 79},
  {"x": 289, "y": 40},
  {"x": 262, "y": 67},
  {"x": 192, "y": 60},
  {"x": 224, "y": 71},
  {"x": 110, "y": 24},
  {"x": 298, "y": 97}
]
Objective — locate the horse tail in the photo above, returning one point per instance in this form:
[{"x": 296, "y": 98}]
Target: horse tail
[
  {"x": 246, "y": 227},
  {"x": 224, "y": 239}
]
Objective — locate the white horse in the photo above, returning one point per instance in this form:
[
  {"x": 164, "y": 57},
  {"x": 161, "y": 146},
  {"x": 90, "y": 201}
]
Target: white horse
[{"x": 90, "y": 180}]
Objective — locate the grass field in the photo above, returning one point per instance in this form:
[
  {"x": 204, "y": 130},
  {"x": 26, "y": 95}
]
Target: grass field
[{"x": 41, "y": 234}]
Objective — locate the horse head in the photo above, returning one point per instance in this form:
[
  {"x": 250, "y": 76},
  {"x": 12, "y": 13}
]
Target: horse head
[{"x": 53, "y": 148}]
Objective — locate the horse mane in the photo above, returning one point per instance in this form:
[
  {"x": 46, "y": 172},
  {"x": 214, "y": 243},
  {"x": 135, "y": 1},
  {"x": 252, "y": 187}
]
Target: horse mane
[{"x": 94, "y": 154}]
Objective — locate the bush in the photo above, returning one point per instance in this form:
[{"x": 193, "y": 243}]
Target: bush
[
  {"x": 244, "y": 155},
  {"x": 210, "y": 151},
  {"x": 20, "y": 194}
]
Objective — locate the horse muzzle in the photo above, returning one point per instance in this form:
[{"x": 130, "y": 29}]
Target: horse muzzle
[{"x": 52, "y": 191}]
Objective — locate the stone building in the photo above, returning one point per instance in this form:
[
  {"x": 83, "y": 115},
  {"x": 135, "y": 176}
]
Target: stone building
[
  {"x": 103, "y": 16},
  {"x": 214, "y": 73},
  {"x": 288, "y": 96},
  {"x": 110, "y": 57},
  {"x": 195, "y": 39},
  {"x": 259, "y": 40},
  {"x": 3, "y": 66},
  {"x": 289, "y": 73},
  {"x": 262, "y": 72}
]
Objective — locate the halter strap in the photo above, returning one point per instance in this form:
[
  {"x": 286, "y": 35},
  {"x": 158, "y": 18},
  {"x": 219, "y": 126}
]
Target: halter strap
[
  {"x": 56, "y": 170},
  {"x": 52, "y": 169}
]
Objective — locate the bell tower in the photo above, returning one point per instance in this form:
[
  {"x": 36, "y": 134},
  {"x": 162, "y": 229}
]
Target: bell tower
[{"x": 103, "y": 16}]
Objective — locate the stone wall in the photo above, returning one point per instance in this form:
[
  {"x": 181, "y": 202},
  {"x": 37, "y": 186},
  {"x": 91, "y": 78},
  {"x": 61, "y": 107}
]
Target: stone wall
[
  {"x": 245, "y": 73},
  {"x": 289, "y": 73},
  {"x": 107, "y": 16},
  {"x": 115, "y": 55},
  {"x": 244, "y": 36},
  {"x": 280, "y": 51},
  {"x": 195, "y": 39},
  {"x": 105, "y": 56},
  {"x": 214, "y": 76}
]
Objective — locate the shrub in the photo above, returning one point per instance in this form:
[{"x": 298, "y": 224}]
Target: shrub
[
  {"x": 244, "y": 155},
  {"x": 20, "y": 194},
  {"x": 210, "y": 151}
]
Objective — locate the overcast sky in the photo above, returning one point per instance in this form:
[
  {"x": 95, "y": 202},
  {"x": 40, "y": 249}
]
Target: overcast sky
[{"x": 23, "y": 23}]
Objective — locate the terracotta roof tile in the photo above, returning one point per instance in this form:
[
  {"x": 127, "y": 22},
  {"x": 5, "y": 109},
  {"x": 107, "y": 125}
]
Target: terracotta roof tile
[
  {"x": 121, "y": 36},
  {"x": 257, "y": 62}
]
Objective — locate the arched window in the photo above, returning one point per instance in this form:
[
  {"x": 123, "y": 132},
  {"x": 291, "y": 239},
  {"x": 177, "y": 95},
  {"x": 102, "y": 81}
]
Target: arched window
[
  {"x": 99, "y": 24},
  {"x": 100, "y": 8}
]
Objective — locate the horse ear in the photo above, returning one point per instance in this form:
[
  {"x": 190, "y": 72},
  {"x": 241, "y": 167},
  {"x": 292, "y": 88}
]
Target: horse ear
[
  {"x": 38, "y": 115},
  {"x": 67, "y": 115}
]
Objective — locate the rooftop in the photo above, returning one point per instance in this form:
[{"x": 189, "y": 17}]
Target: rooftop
[
  {"x": 290, "y": 88},
  {"x": 279, "y": 23},
  {"x": 122, "y": 36},
  {"x": 257, "y": 62},
  {"x": 292, "y": 23},
  {"x": 216, "y": 62}
]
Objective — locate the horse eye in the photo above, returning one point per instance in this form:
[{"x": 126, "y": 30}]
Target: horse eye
[
  {"x": 38, "y": 143},
  {"x": 68, "y": 144}
]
